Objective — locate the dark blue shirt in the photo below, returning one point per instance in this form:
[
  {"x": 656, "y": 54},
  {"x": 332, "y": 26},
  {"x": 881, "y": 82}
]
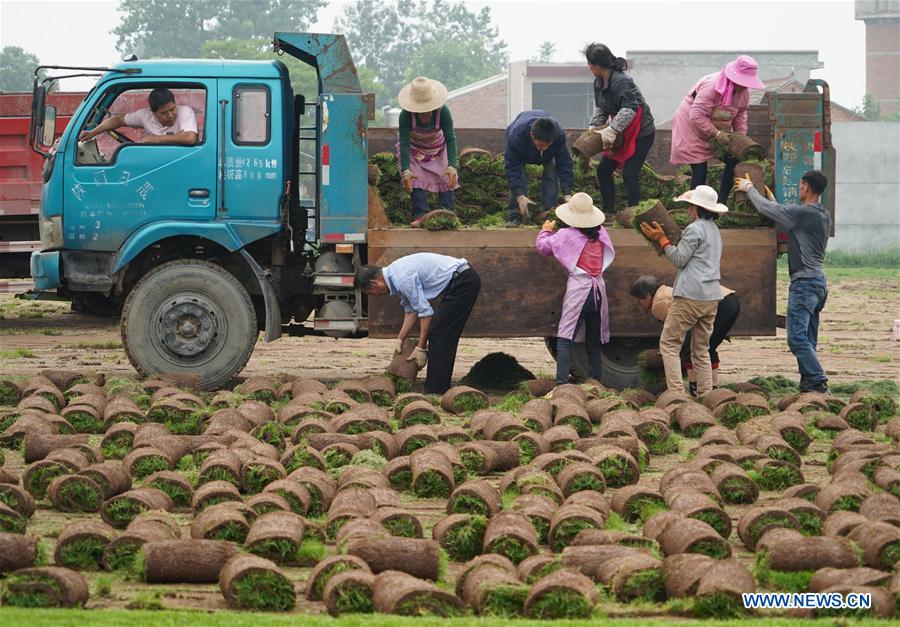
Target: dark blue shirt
[{"x": 520, "y": 150}]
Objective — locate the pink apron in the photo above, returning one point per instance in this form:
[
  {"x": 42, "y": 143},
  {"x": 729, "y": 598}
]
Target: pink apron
[
  {"x": 566, "y": 245},
  {"x": 428, "y": 160}
]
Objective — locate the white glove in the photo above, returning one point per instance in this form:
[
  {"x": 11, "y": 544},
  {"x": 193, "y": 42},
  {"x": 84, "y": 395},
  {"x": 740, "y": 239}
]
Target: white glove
[
  {"x": 567, "y": 197},
  {"x": 523, "y": 202},
  {"x": 399, "y": 348},
  {"x": 608, "y": 135},
  {"x": 452, "y": 176},
  {"x": 408, "y": 177},
  {"x": 722, "y": 137},
  {"x": 419, "y": 356}
]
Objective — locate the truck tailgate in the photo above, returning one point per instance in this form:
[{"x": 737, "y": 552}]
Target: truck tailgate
[{"x": 521, "y": 291}]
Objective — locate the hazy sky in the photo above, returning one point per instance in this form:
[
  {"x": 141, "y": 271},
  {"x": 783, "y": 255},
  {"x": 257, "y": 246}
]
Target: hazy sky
[{"x": 78, "y": 31}]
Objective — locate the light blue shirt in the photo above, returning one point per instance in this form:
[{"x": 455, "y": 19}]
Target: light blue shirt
[
  {"x": 697, "y": 258},
  {"x": 418, "y": 278}
]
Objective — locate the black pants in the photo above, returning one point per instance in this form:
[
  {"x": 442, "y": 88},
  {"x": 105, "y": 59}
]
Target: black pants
[
  {"x": 700, "y": 170},
  {"x": 447, "y": 326},
  {"x": 631, "y": 173},
  {"x": 726, "y": 315},
  {"x": 590, "y": 317}
]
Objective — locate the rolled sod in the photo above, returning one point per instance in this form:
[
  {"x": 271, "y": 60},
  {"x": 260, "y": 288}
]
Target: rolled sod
[
  {"x": 213, "y": 493},
  {"x": 531, "y": 445},
  {"x": 17, "y": 499},
  {"x": 220, "y": 522},
  {"x": 451, "y": 434},
  {"x": 122, "y": 409},
  {"x": 561, "y": 437},
  {"x": 561, "y": 595},
  {"x": 37, "y": 446},
  {"x": 475, "y": 496},
  {"x": 250, "y": 582},
  {"x": 490, "y": 560},
  {"x": 693, "y": 419},
  {"x": 494, "y": 591},
  {"x": 756, "y": 521},
  {"x": 112, "y": 477},
  {"x": 461, "y": 535},
  {"x": 17, "y": 551},
  {"x": 568, "y": 521},
  {"x": 811, "y": 553},
  {"x": 221, "y": 465},
  {"x": 399, "y": 593},
  {"x": 825, "y": 578},
  {"x": 859, "y": 416},
  {"x": 75, "y": 493},
  {"x": 318, "y": 485},
  {"x": 882, "y": 507},
  {"x": 883, "y": 406},
  {"x": 635, "y": 503},
  {"x": 599, "y": 407},
  {"x": 398, "y": 522},
  {"x": 413, "y": 438},
  {"x": 419, "y": 412},
  {"x": 689, "y": 535},
  {"x": 637, "y": 577},
  {"x": 611, "y": 536},
  {"x": 839, "y": 496},
  {"x": 880, "y": 544},
  {"x": 505, "y": 428},
  {"x": 186, "y": 561},
  {"x": 362, "y": 477},
  {"x": 123, "y": 508},
  {"x": 539, "y": 511},
  {"x": 808, "y": 515},
  {"x": 50, "y": 586},
  {"x": 151, "y": 526},
  {"x": 535, "y": 567},
  {"x": 594, "y": 560},
  {"x": 512, "y": 535},
  {"x": 350, "y": 592},
  {"x": 174, "y": 484},
  {"x": 580, "y": 476},
  {"x": 462, "y": 399},
  {"x": 617, "y": 466},
  {"x": 258, "y": 473},
  {"x": 682, "y": 573},
  {"x": 399, "y": 473},
  {"x": 328, "y": 568},
  {"x": 118, "y": 440},
  {"x": 80, "y": 545},
  {"x": 719, "y": 591},
  {"x": 718, "y": 435},
  {"x": 419, "y": 558},
  {"x": 85, "y": 414},
  {"x": 693, "y": 504},
  {"x": 432, "y": 474},
  {"x": 776, "y": 474},
  {"x": 143, "y": 462},
  {"x": 733, "y": 484}
]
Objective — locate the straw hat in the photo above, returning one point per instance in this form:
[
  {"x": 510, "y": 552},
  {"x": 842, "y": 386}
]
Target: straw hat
[
  {"x": 580, "y": 212},
  {"x": 705, "y": 197},
  {"x": 422, "y": 95}
]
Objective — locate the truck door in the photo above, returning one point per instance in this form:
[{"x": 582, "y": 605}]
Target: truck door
[
  {"x": 252, "y": 167},
  {"x": 116, "y": 184}
]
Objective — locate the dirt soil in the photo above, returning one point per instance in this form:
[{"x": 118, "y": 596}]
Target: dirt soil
[{"x": 854, "y": 343}]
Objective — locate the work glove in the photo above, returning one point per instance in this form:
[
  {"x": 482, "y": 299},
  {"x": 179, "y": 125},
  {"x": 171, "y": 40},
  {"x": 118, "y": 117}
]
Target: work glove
[
  {"x": 419, "y": 356},
  {"x": 655, "y": 232},
  {"x": 408, "y": 177},
  {"x": 452, "y": 176},
  {"x": 523, "y": 201},
  {"x": 399, "y": 347},
  {"x": 567, "y": 197},
  {"x": 608, "y": 135},
  {"x": 549, "y": 225},
  {"x": 769, "y": 193},
  {"x": 742, "y": 185}
]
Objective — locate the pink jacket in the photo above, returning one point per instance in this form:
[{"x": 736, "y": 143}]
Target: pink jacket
[
  {"x": 566, "y": 245},
  {"x": 699, "y": 117}
]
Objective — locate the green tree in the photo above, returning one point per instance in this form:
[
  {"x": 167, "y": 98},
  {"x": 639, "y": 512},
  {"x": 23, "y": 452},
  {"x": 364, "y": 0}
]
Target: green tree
[
  {"x": 17, "y": 69},
  {"x": 180, "y": 28},
  {"x": 397, "y": 39},
  {"x": 546, "y": 52},
  {"x": 870, "y": 108}
]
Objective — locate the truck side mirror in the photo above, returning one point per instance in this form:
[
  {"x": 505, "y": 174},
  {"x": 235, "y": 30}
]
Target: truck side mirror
[{"x": 49, "y": 127}]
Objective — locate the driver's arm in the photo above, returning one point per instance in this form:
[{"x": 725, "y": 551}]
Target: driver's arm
[
  {"x": 109, "y": 124},
  {"x": 184, "y": 138}
]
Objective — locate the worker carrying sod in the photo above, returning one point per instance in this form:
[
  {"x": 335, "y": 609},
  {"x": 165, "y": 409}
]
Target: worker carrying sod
[
  {"x": 653, "y": 296},
  {"x": 427, "y": 146},
  {"x": 696, "y": 292},
  {"x": 585, "y": 250},
  {"x": 536, "y": 138},
  {"x": 620, "y": 109},
  {"x": 715, "y": 107},
  {"x": 808, "y": 225},
  {"x": 417, "y": 279}
]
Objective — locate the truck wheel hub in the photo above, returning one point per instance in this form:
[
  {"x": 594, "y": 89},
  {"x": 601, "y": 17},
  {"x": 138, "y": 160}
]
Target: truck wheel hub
[{"x": 188, "y": 326}]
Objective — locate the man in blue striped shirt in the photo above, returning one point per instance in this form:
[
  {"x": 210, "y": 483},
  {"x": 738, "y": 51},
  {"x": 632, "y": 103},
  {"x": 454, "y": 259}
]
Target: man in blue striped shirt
[{"x": 418, "y": 279}]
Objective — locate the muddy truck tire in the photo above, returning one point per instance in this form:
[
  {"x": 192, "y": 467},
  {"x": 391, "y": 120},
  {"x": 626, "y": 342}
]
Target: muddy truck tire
[{"x": 189, "y": 316}]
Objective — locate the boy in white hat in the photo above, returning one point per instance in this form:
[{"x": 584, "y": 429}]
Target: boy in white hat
[
  {"x": 585, "y": 250},
  {"x": 696, "y": 292},
  {"x": 427, "y": 147}
]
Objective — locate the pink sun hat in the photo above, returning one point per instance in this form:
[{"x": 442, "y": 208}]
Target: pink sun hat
[{"x": 742, "y": 71}]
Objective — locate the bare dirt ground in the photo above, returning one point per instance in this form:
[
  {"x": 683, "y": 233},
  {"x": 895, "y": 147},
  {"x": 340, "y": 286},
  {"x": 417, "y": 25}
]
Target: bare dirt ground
[{"x": 854, "y": 343}]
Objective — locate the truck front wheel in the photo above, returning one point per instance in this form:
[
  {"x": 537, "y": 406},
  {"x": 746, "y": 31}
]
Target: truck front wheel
[{"x": 190, "y": 317}]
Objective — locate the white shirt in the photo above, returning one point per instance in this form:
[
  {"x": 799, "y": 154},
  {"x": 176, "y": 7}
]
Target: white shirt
[{"x": 185, "y": 120}]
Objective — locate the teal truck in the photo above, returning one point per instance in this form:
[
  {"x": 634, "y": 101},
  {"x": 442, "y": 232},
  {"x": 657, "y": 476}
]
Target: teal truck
[{"x": 259, "y": 225}]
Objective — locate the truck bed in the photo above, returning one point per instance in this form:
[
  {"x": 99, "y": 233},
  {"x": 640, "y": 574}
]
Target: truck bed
[{"x": 521, "y": 291}]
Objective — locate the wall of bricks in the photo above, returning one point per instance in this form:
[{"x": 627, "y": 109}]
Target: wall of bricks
[
  {"x": 883, "y": 61},
  {"x": 481, "y": 108}
]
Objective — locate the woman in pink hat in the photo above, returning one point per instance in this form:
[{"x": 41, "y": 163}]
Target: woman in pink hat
[{"x": 713, "y": 108}]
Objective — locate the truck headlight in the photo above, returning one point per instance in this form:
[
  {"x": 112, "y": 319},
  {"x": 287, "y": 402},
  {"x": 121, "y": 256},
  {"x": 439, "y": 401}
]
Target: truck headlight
[{"x": 51, "y": 233}]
